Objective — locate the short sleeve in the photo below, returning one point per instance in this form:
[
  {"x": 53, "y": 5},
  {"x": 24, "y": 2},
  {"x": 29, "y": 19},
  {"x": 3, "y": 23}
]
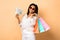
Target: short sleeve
[
  {"x": 23, "y": 18},
  {"x": 33, "y": 21}
]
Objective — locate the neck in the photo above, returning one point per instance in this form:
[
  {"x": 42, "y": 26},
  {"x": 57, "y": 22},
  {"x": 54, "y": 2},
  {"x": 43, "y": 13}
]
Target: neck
[{"x": 30, "y": 15}]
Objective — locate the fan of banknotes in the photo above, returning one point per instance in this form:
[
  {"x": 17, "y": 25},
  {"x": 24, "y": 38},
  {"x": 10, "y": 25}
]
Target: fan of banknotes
[{"x": 18, "y": 11}]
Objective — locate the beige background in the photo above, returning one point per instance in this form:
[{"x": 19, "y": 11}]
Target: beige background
[{"x": 48, "y": 9}]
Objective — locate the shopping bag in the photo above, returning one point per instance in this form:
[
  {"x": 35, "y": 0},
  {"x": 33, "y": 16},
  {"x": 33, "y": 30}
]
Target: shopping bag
[
  {"x": 45, "y": 25},
  {"x": 40, "y": 26},
  {"x": 36, "y": 29}
]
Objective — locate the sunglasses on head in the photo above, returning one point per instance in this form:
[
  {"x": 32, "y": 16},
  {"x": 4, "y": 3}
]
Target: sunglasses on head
[{"x": 32, "y": 8}]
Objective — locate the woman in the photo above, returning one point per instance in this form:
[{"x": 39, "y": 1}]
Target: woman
[{"x": 28, "y": 21}]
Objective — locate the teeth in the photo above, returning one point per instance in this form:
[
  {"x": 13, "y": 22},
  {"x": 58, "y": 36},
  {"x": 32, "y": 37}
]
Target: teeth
[{"x": 18, "y": 11}]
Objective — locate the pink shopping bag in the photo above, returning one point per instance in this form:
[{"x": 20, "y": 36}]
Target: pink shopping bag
[{"x": 45, "y": 25}]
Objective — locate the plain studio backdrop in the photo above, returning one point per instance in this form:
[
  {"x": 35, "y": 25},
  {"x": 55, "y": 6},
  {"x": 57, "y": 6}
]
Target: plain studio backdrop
[{"x": 49, "y": 10}]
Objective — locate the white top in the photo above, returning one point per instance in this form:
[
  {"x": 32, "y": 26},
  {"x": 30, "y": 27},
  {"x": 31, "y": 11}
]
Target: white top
[{"x": 27, "y": 24}]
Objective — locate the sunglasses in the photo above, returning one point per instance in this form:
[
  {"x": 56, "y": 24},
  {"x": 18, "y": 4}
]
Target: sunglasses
[{"x": 32, "y": 8}]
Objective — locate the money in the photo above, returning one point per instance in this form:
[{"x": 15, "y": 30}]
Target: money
[{"x": 18, "y": 11}]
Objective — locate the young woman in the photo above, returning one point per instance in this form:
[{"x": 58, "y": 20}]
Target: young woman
[{"x": 28, "y": 21}]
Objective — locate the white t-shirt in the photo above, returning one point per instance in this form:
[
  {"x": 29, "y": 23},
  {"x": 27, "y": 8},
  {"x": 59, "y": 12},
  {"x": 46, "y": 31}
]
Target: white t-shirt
[{"x": 27, "y": 23}]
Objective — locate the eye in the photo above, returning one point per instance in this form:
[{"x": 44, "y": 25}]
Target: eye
[
  {"x": 33, "y": 9},
  {"x": 30, "y": 7}
]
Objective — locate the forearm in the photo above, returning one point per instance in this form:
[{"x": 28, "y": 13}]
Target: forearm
[
  {"x": 18, "y": 21},
  {"x": 17, "y": 16}
]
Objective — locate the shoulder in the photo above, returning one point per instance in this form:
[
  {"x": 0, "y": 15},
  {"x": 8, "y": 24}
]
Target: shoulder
[
  {"x": 34, "y": 18},
  {"x": 25, "y": 15}
]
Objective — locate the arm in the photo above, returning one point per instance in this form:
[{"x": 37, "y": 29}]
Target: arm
[
  {"x": 36, "y": 23},
  {"x": 19, "y": 19},
  {"x": 17, "y": 16}
]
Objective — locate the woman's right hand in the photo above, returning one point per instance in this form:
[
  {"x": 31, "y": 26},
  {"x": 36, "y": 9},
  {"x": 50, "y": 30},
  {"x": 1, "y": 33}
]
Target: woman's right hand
[{"x": 17, "y": 16}]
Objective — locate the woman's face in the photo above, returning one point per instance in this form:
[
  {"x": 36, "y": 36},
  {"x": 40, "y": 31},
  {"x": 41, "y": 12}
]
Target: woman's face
[{"x": 32, "y": 9}]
